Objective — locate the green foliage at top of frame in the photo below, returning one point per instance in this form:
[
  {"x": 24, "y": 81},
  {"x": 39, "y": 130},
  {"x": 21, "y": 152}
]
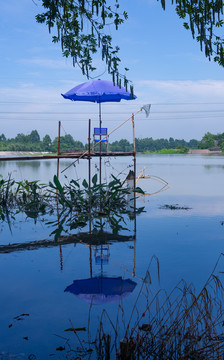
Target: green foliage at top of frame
[{"x": 83, "y": 28}]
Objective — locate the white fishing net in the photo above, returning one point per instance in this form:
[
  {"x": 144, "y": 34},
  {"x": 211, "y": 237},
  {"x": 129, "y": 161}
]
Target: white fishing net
[{"x": 146, "y": 108}]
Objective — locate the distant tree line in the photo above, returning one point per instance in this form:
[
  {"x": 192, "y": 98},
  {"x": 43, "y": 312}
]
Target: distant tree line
[
  {"x": 211, "y": 141},
  {"x": 32, "y": 142}
]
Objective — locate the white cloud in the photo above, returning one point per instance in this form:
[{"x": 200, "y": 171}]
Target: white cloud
[
  {"x": 182, "y": 91},
  {"x": 48, "y": 63}
]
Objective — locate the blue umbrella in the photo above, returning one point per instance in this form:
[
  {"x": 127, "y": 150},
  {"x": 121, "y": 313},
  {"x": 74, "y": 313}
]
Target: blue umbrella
[
  {"x": 98, "y": 91},
  {"x": 99, "y": 290}
]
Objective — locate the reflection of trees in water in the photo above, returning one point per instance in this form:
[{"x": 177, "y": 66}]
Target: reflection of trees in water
[
  {"x": 210, "y": 167},
  {"x": 3, "y": 164},
  {"x": 47, "y": 164},
  {"x": 24, "y": 164}
]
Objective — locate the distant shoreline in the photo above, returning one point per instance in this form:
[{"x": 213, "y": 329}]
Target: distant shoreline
[
  {"x": 204, "y": 152},
  {"x": 178, "y": 152},
  {"x": 191, "y": 151},
  {"x": 8, "y": 153}
]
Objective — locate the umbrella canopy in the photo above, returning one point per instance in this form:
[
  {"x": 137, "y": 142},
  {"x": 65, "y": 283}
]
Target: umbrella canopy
[
  {"x": 98, "y": 91},
  {"x": 100, "y": 290}
]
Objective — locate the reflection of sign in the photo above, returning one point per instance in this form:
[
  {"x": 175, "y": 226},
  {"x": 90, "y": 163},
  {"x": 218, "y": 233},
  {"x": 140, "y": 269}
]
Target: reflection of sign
[
  {"x": 102, "y": 254},
  {"x": 100, "y": 290}
]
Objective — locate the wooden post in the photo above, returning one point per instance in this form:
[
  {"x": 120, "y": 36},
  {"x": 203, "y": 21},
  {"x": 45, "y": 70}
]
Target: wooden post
[
  {"x": 59, "y": 135},
  {"x": 61, "y": 258},
  {"x": 89, "y": 139},
  {"x": 90, "y": 246},
  {"x": 134, "y": 150},
  {"x": 100, "y": 123},
  {"x": 59, "y": 139}
]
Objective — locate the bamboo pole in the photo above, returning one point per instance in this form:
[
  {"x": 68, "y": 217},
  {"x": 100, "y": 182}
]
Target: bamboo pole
[{"x": 139, "y": 176}]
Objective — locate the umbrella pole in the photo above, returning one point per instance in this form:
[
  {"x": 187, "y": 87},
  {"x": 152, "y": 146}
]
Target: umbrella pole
[
  {"x": 59, "y": 140},
  {"x": 100, "y": 125}
]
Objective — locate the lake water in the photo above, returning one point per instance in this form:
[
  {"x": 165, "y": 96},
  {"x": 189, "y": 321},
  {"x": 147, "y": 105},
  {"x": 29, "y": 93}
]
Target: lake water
[{"x": 187, "y": 243}]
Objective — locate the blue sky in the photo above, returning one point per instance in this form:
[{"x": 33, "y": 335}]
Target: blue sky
[{"x": 166, "y": 65}]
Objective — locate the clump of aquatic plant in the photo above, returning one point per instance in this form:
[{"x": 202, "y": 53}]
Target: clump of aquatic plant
[
  {"x": 6, "y": 193},
  {"x": 99, "y": 204},
  {"x": 174, "y": 207},
  {"x": 7, "y": 202},
  {"x": 31, "y": 199},
  {"x": 101, "y": 197}
]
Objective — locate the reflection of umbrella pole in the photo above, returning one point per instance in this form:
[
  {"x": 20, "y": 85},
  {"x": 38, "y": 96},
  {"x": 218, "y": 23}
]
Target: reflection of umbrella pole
[
  {"x": 59, "y": 141},
  {"x": 100, "y": 125},
  {"x": 90, "y": 261},
  {"x": 101, "y": 255},
  {"x": 90, "y": 248}
]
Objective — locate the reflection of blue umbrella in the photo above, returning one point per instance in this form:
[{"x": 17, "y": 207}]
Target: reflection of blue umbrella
[{"x": 99, "y": 290}]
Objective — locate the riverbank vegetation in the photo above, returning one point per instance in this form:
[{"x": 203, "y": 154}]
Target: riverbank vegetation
[
  {"x": 212, "y": 141},
  {"x": 179, "y": 150}
]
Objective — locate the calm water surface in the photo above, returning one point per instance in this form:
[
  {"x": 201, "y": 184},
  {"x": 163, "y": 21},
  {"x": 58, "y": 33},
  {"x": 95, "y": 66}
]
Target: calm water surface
[{"x": 186, "y": 242}]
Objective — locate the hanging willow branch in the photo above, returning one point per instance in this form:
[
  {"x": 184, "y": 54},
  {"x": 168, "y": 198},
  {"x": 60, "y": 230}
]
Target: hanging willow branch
[
  {"x": 204, "y": 18},
  {"x": 81, "y": 28}
]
